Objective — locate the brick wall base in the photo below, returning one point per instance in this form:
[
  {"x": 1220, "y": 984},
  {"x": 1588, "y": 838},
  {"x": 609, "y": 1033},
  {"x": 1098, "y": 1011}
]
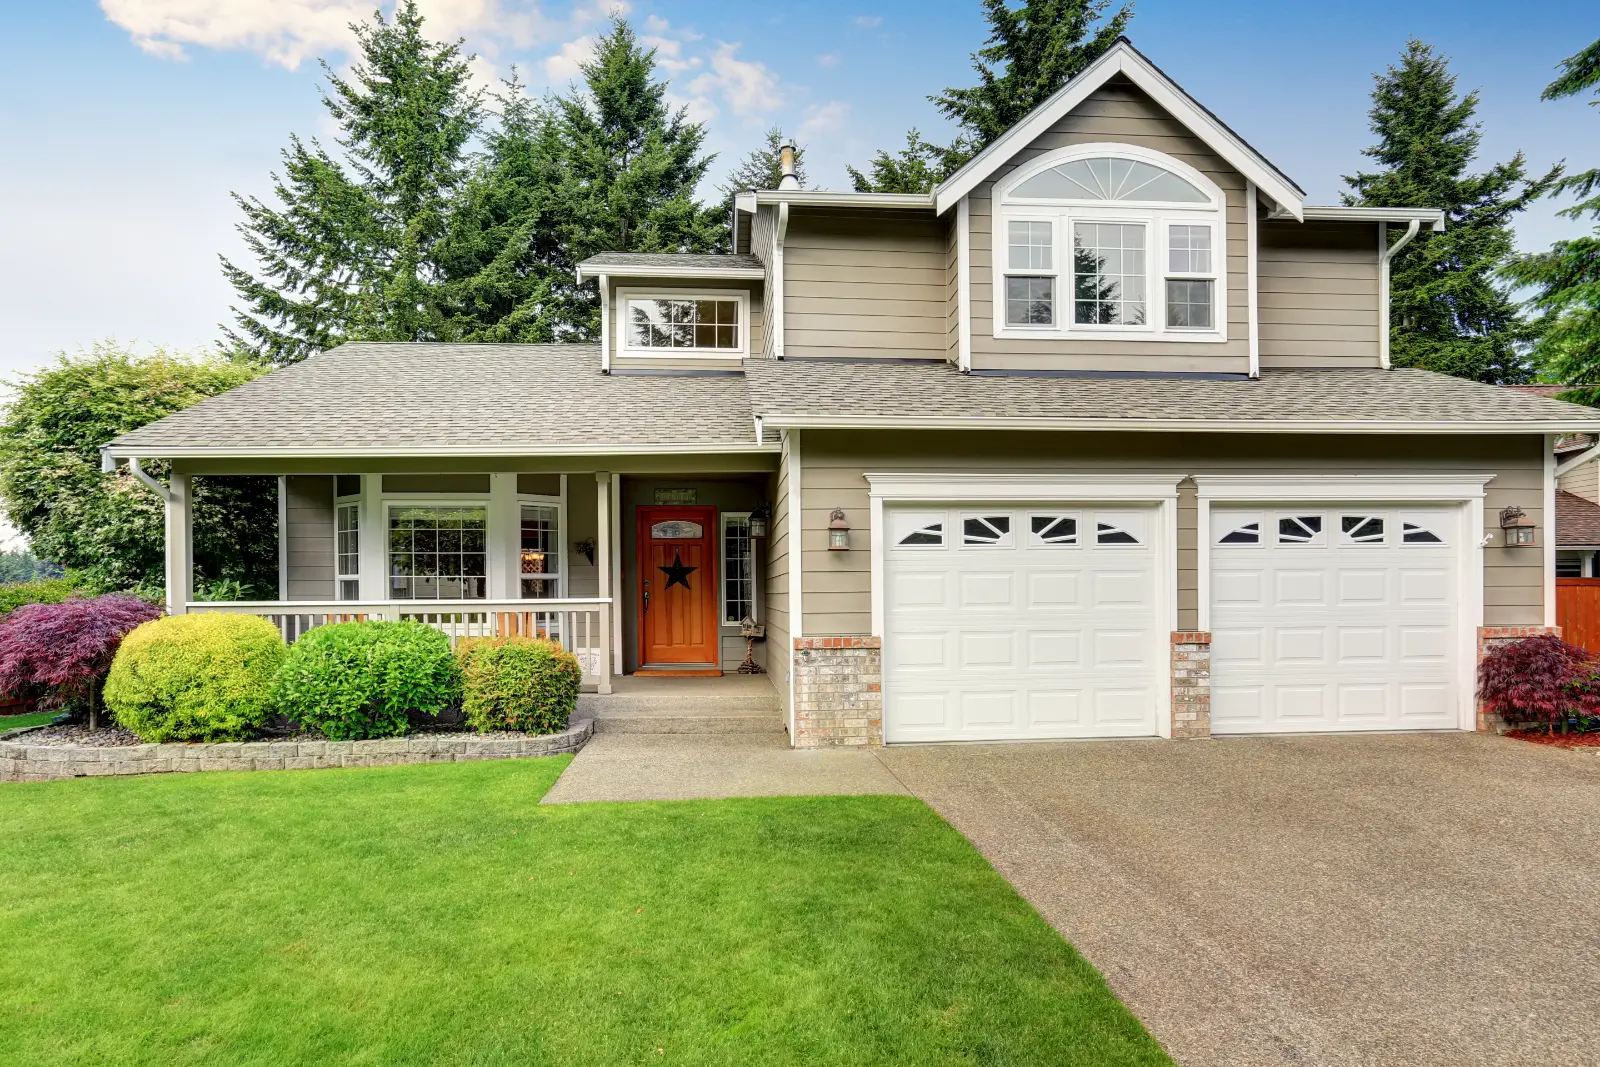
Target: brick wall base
[
  {"x": 838, "y": 691},
  {"x": 1191, "y": 683},
  {"x": 1489, "y": 637}
]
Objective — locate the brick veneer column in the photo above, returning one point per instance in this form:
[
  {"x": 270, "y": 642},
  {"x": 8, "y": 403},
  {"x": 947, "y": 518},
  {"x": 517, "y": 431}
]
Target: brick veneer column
[
  {"x": 1191, "y": 683},
  {"x": 1489, "y": 637},
  {"x": 838, "y": 691}
]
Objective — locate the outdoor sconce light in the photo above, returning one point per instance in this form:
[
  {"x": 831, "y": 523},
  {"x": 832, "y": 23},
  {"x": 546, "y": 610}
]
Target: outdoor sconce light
[
  {"x": 1518, "y": 527},
  {"x": 758, "y": 521},
  {"x": 838, "y": 532}
]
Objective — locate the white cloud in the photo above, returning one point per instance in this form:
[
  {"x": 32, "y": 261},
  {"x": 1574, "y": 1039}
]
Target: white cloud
[
  {"x": 747, "y": 86},
  {"x": 669, "y": 54},
  {"x": 823, "y": 119},
  {"x": 285, "y": 32},
  {"x": 697, "y": 108},
  {"x": 829, "y": 59},
  {"x": 566, "y": 65},
  {"x": 869, "y": 22}
]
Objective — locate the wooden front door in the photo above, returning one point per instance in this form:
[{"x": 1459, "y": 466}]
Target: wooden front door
[{"x": 678, "y": 622}]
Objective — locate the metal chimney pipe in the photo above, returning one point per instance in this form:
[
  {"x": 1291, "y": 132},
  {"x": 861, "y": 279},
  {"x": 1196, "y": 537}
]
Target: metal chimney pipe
[{"x": 786, "y": 166}]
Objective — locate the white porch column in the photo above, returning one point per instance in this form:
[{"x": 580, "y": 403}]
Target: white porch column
[
  {"x": 602, "y": 559},
  {"x": 180, "y": 544}
]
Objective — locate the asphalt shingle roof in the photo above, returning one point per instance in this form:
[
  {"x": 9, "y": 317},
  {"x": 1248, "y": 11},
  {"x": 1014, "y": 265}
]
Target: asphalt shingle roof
[
  {"x": 454, "y": 397},
  {"x": 620, "y": 261},
  {"x": 910, "y": 390},
  {"x": 1577, "y": 520}
]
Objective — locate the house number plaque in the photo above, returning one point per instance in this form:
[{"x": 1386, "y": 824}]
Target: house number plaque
[{"x": 675, "y": 496}]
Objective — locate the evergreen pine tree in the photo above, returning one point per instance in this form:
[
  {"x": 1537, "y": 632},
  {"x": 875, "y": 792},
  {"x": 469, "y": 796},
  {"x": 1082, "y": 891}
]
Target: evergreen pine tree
[
  {"x": 1448, "y": 314},
  {"x": 349, "y": 251},
  {"x": 1568, "y": 276},
  {"x": 1032, "y": 50},
  {"x": 762, "y": 169}
]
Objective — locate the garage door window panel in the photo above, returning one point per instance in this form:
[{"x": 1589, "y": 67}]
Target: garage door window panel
[
  {"x": 1108, "y": 533},
  {"x": 987, "y": 531},
  {"x": 1300, "y": 530},
  {"x": 1362, "y": 529},
  {"x": 1053, "y": 531},
  {"x": 918, "y": 530},
  {"x": 1418, "y": 530}
]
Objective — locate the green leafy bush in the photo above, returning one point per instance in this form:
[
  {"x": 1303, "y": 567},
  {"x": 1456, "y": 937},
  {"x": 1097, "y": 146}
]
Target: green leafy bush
[
  {"x": 44, "y": 591},
  {"x": 196, "y": 677},
  {"x": 354, "y": 680},
  {"x": 518, "y": 683}
]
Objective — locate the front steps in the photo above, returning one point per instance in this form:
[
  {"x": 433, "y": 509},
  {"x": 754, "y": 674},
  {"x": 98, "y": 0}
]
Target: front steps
[{"x": 732, "y": 704}]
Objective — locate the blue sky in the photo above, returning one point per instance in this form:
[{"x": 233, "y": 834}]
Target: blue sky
[{"x": 128, "y": 123}]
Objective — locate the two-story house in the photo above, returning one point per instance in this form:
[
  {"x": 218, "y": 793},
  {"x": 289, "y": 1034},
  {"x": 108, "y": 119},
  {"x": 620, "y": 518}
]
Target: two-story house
[{"x": 1098, "y": 439}]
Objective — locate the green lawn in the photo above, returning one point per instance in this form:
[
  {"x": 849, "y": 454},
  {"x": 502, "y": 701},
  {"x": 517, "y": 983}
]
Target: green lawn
[
  {"x": 436, "y": 915},
  {"x": 13, "y": 722}
]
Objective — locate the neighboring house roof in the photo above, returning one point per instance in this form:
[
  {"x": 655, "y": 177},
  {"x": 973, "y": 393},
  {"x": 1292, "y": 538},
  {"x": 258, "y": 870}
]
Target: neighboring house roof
[
  {"x": 442, "y": 399},
  {"x": 670, "y": 265},
  {"x": 800, "y": 393},
  {"x": 1577, "y": 521},
  {"x": 1122, "y": 58}
]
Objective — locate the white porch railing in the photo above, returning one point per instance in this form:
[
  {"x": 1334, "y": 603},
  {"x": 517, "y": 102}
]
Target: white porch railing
[{"x": 582, "y": 625}]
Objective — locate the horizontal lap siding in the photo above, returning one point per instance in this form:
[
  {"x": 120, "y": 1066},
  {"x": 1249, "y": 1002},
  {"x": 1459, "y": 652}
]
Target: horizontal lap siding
[
  {"x": 862, "y": 285},
  {"x": 1318, "y": 301},
  {"x": 838, "y": 584},
  {"x": 308, "y": 536},
  {"x": 1583, "y": 480},
  {"x": 1117, "y": 112}
]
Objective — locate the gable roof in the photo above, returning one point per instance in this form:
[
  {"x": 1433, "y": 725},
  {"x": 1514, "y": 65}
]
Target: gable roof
[
  {"x": 1122, "y": 58},
  {"x": 936, "y": 395}
]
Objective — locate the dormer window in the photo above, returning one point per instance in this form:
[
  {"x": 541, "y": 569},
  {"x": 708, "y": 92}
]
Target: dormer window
[
  {"x": 1110, "y": 240},
  {"x": 683, "y": 324}
]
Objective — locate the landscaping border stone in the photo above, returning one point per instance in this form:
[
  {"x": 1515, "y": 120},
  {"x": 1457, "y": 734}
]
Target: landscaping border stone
[{"x": 22, "y": 762}]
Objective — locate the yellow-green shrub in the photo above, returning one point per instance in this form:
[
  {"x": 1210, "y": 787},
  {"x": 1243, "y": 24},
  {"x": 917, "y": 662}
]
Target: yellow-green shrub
[
  {"x": 518, "y": 683},
  {"x": 196, "y": 677}
]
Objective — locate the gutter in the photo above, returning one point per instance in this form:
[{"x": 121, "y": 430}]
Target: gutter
[
  {"x": 622, "y": 270},
  {"x": 1002, "y": 422},
  {"x": 422, "y": 452}
]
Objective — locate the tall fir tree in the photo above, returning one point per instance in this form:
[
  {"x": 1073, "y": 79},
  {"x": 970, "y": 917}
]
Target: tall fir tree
[
  {"x": 1032, "y": 50},
  {"x": 1448, "y": 312},
  {"x": 348, "y": 252},
  {"x": 1567, "y": 278},
  {"x": 762, "y": 168}
]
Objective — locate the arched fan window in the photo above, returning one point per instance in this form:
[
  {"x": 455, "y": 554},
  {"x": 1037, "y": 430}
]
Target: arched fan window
[{"x": 1110, "y": 178}]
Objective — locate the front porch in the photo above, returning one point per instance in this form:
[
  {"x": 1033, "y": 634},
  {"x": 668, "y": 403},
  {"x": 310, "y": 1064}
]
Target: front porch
[{"x": 568, "y": 554}]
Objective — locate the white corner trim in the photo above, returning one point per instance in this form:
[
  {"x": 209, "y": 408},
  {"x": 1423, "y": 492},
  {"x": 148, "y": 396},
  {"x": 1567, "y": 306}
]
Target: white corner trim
[
  {"x": 964, "y": 284},
  {"x": 795, "y": 523},
  {"x": 1548, "y": 521},
  {"x": 605, "y": 324},
  {"x": 779, "y": 232},
  {"x": 283, "y": 536},
  {"x": 1316, "y": 487},
  {"x": 1252, "y": 275},
  {"x": 1122, "y": 59}
]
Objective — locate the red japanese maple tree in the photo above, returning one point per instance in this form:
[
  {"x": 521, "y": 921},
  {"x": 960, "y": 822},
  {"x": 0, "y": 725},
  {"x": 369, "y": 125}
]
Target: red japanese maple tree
[
  {"x": 63, "y": 651},
  {"x": 1540, "y": 679}
]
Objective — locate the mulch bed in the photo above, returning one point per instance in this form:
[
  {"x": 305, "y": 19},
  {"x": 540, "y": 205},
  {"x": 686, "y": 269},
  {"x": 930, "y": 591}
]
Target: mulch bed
[{"x": 1539, "y": 737}]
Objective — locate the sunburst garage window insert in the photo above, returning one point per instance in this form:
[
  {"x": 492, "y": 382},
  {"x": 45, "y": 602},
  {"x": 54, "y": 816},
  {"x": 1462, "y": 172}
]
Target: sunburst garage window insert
[{"x": 685, "y": 324}]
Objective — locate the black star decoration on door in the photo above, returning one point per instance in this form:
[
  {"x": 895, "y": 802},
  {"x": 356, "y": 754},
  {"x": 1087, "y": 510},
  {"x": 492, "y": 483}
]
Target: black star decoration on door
[{"x": 677, "y": 574}]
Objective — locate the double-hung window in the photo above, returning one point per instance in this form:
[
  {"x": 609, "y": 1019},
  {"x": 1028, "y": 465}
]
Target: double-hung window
[
  {"x": 1030, "y": 273},
  {"x": 347, "y": 536},
  {"x": 1191, "y": 291},
  {"x": 539, "y": 555}
]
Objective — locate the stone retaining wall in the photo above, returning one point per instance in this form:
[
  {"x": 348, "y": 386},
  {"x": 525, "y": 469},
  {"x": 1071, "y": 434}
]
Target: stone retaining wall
[{"x": 22, "y": 762}]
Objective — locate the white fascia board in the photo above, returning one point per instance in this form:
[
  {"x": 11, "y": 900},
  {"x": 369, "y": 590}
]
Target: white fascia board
[
  {"x": 745, "y": 202},
  {"x": 1311, "y": 486},
  {"x": 1000, "y": 485},
  {"x": 431, "y": 451},
  {"x": 955, "y": 422},
  {"x": 827, "y": 198},
  {"x": 603, "y": 269},
  {"x": 1122, "y": 59},
  {"x": 1432, "y": 216}
]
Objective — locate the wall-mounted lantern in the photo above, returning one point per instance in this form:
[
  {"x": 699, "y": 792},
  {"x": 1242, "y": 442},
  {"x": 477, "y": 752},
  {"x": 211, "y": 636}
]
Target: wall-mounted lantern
[
  {"x": 838, "y": 532},
  {"x": 1518, "y": 527},
  {"x": 758, "y": 520}
]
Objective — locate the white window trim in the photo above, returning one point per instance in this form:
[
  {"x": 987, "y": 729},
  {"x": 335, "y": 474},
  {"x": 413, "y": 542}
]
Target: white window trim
[
  {"x": 339, "y": 576},
  {"x": 624, "y": 296},
  {"x": 390, "y": 501},
  {"x": 562, "y": 548},
  {"x": 1024, "y": 491},
  {"x": 722, "y": 573},
  {"x": 1157, "y": 218},
  {"x": 1466, "y": 491}
]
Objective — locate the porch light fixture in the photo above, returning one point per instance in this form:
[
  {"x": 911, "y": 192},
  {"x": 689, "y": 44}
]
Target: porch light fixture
[
  {"x": 1518, "y": 527},
  {"x": 758, "y": 521},
  {"x": 838, "y": 532}
]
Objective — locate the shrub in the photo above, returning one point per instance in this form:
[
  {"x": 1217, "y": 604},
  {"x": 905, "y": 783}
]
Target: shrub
[
  {"x": 196, "y": 677},
  {"x": 518, "y": 683},
  {"x": 63, "y": 650},
  {"x": 43, "y": 591},
  {"x": 1539, "y": 679},
  {"x": 354, "y": 680}
]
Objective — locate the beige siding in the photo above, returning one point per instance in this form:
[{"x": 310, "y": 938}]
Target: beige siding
[
  {"x": 1117, "y": 112},
  {"x": 777, "y": 587},
  {"x": 838, "y": 584},
  {"x": 309, "y": 536},
  {"x": 757, "y": 321},
  {"x": 763, "y": 237},
  {"x": 1583, "y": 480},
  {"x": 1318, "y": 302},
  {"x": 583, "y": 521},
  {"x": 862, "y": 284}
]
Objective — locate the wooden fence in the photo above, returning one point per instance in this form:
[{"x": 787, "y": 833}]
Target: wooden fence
[{"x": 1578, "y": 611}]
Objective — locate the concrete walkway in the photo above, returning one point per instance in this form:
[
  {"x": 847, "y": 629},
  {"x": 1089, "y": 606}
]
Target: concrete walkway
[
  {"x": 1394, "y": 899},
  {"x": 689, "y": 766}
]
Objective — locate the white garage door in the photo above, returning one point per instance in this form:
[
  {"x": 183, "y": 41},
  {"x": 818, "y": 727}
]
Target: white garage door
[
  {"x": 1019, "y": 622},
  {"x": 1334, "y": 618}
]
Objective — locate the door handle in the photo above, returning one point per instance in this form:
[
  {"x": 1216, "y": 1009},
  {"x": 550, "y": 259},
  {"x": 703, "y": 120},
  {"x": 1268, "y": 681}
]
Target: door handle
[{"x": 647, "y": 600}]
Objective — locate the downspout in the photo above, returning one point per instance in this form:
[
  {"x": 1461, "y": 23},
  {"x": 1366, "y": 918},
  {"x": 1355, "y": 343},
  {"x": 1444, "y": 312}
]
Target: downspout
[
  {"x": 1386, "y": 254},
  {"x": 605, "y": 323},
  {"x": 144, "y": 476}
]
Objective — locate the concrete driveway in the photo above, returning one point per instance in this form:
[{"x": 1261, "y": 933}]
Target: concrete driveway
[{"x": 1392, "y": 899}]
